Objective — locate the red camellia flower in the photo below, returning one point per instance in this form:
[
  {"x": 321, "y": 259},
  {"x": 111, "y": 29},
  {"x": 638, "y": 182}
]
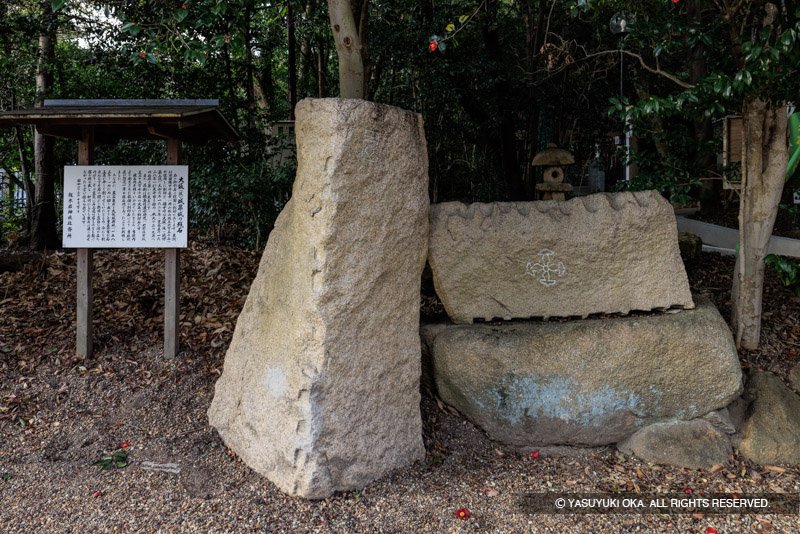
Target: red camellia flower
[
  {"x": 675, "y": 1},
  {"x": 433, "y": 45},
  {"x": 687, "y": 490},
  {"x": 709, "y": 530},
  {"x": 142, "y": 55},
  {"x": 535, "y": 454},
  {"x": 125, "y": 444},
  {"x": 463, "y": 514}
]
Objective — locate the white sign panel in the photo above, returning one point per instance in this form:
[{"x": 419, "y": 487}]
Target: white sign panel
[{"x": 130, "y": 206}]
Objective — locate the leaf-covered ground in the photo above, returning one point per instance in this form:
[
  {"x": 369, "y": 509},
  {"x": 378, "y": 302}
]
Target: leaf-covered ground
[{"x": 60, "y": 414}]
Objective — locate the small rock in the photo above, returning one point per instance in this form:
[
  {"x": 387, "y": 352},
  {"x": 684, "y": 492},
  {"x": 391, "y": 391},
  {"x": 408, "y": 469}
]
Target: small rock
[
  {"x": 771, "y": 431},
  {"x": 694, "y": 444},
  {"x": 690, "y": 246},
  {"x": 794, "y": 378},
  {"x": 721, "y": 420},
  {"x": 166, "y": 468}
]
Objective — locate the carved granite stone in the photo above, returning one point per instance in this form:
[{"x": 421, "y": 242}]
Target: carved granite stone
[
  {"x": 320, "y": 388},
  {"x": 602, "y": 253}
]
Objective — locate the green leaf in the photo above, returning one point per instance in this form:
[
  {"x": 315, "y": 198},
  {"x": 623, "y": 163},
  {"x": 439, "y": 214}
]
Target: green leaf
[
  {"x": 794, "y": 160},
  {"x": 131, "y": 28},
  {"x": 787, "y": 39},
  {"x": 743, "y": 77},
  {"x": 181, "y": 14},
  {"x": 57, "y": 5},
  {"x": 754, "y": 53}
]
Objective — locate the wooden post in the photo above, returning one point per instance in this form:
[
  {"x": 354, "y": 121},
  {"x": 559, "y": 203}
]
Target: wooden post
[
  {"x": 83, "y": 345},
  {"x": 172, "y": 276}
]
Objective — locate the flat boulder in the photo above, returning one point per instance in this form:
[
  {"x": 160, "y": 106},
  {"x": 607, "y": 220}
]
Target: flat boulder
[
  {"x": 585, "y": 382},
  {"x": 602, "y": 253},
  {"x": 694, "y": 444},
  {"x": 770, "y": 433},
  {"x": 320, "y": 387}
]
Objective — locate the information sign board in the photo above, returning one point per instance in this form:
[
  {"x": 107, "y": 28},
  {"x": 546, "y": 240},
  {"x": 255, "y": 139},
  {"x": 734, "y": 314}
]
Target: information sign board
[{"x": 126, "y": 206}]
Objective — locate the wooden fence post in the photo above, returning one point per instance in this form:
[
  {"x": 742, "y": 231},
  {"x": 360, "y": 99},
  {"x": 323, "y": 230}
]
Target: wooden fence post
[
  {"x": 83, "y": 345},
  {"x": 172, "y": 276}
]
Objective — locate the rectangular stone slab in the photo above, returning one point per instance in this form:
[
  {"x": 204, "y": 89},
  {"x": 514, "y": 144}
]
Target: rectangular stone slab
[
  {"x": 320, "y": 389},
  {"x": 602, "y": 253}
]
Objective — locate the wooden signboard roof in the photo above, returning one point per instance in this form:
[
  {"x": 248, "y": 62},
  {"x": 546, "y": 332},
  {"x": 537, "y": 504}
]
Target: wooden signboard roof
[{"x": 193, "y": 121}]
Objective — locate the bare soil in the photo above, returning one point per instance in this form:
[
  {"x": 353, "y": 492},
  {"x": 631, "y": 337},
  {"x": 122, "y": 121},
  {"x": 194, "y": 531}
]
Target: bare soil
[{"x": 59, "y": 414}]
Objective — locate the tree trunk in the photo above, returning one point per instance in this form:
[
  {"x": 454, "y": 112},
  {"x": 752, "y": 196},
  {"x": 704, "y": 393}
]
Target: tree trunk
[
  {"x": 349, "y": 47},
  {"x": 292, "y": 59},
  {"x": 30, "y": 188},
  {"x": 506, "y": 136},
  {"x": 249, "y": 86},
  {"x": 43, "y": 227},
  {"x": 322, "y": 67},
  {"x": 308, "y": 69},
  {"x": 765, "y": 158}
]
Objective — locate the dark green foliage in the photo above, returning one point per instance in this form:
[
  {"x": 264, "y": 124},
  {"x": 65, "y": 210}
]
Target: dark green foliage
[
  {"x": 116, "y": 460},
  {"x": 787, "y": 269},
  {"x": 237, "y": 201},
  {"x": 510, "y": 78}
]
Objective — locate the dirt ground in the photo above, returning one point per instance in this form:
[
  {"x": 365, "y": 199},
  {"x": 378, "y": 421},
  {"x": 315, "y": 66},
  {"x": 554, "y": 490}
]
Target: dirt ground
[{"x": 60, "y": 414}]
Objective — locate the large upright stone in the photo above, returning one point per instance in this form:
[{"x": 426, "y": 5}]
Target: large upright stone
[
  {"x": 320, "y": 389},
  {"x": 603, "y": 253},
  {"x": 585, "y": 382}
]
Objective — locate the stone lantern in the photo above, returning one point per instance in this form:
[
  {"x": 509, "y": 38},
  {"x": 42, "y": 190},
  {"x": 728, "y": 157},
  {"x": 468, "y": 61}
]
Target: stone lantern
[{"x": 554, "y": 160}]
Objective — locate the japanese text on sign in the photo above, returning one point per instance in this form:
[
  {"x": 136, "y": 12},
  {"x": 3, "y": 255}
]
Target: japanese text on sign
[{"x": 126, "y": 206}]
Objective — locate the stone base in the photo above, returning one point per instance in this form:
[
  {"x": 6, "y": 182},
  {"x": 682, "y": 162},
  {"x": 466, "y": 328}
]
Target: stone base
[{"x": 585, "y": 382}]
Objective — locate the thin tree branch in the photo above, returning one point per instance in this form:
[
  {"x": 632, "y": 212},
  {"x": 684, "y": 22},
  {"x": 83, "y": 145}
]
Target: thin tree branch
[
  {"x": 547, "y": 28},
  {"x": 645, "y": 66}
]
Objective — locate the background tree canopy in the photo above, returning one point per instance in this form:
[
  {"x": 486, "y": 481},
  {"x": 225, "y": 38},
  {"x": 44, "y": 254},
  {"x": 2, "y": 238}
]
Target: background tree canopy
[{"x": 495, "y": 80}]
